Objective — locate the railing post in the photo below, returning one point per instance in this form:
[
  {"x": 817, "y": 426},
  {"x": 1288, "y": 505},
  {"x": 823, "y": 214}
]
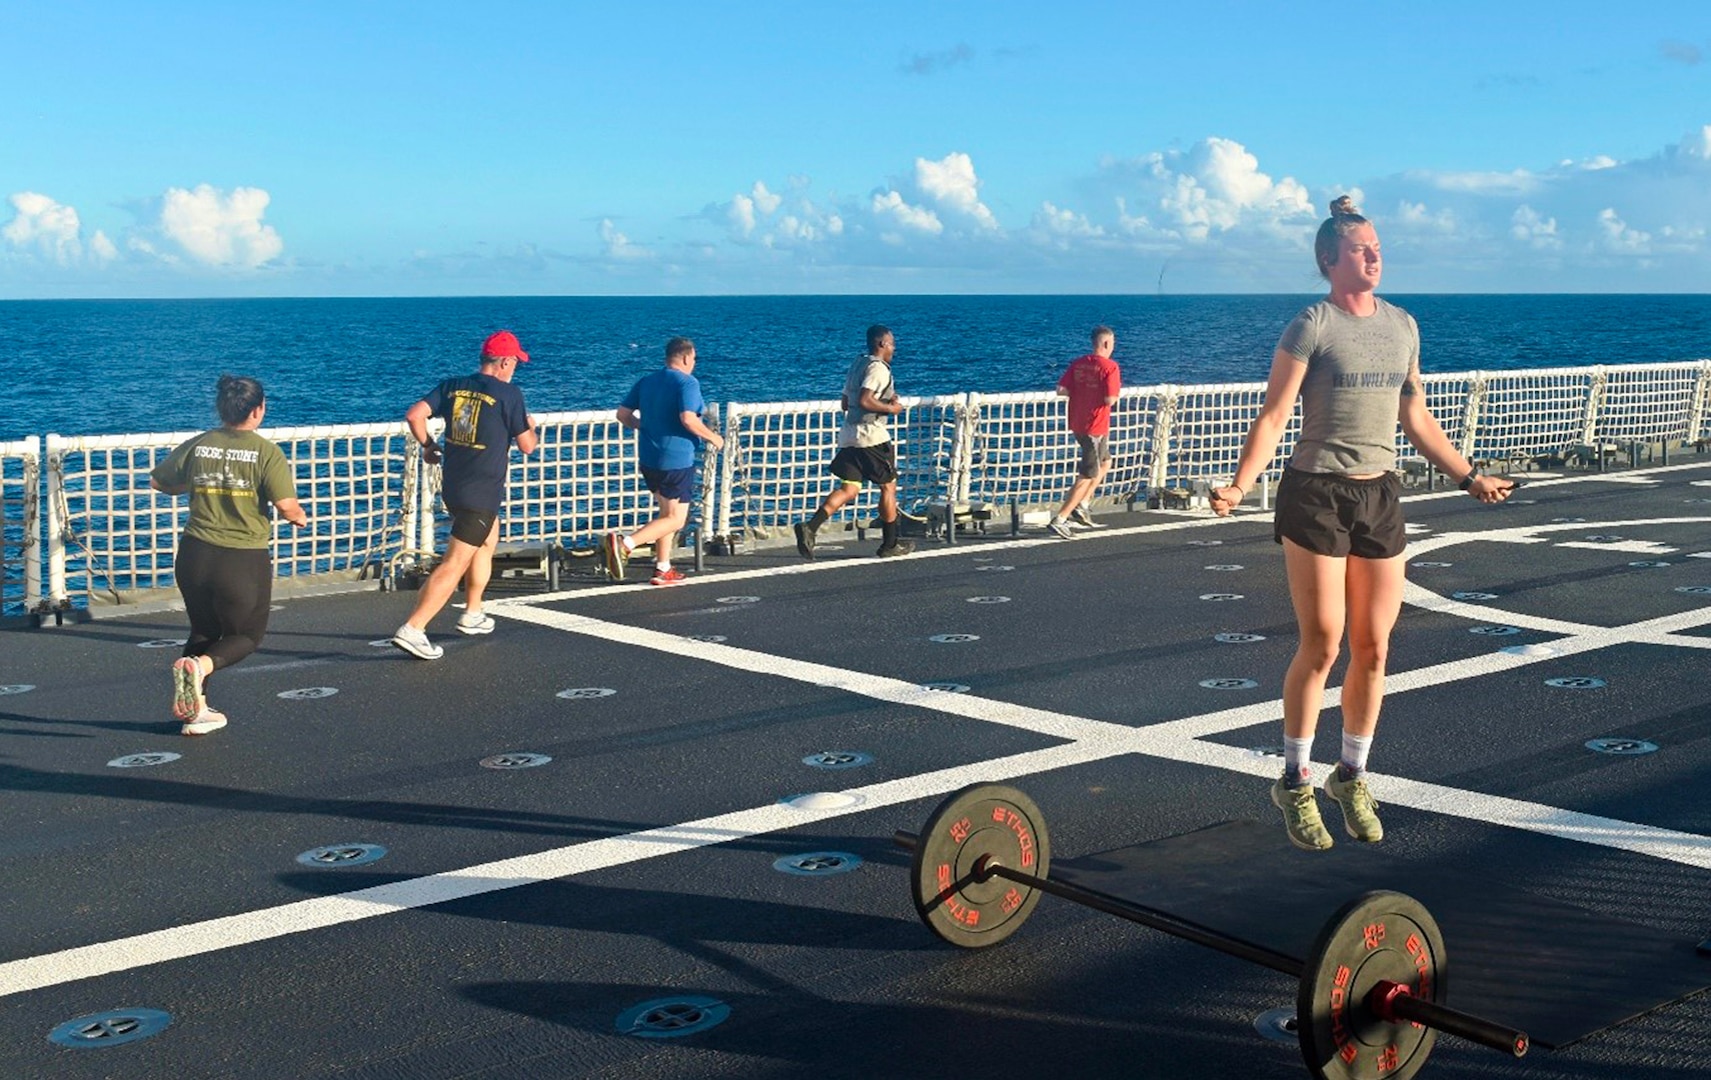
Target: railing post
[
  {"x": 1697, "y": 428},
  {"x": 1159, "y": 472},
  {"x": 32, "y": 526},
  {"x": 967, "y": 413},
  {"x": 1594, "y": 404},
  {"x": 1472, "y": 406},
  {"x": 57, "y": 596},
  {"x": 728, "y": 470}
]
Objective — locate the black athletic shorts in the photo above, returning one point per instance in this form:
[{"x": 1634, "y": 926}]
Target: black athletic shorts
[
  {"x": 472, "y": 526},
  {"x": 1333, "y": 515},
  {"x": 866, "y": 464},
  {"x": 675, "y": 484}
]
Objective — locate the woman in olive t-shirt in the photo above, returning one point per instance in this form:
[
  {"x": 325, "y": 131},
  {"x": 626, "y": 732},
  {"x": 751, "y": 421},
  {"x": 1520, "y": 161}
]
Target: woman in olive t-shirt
[{"x": 223, "y": 567}]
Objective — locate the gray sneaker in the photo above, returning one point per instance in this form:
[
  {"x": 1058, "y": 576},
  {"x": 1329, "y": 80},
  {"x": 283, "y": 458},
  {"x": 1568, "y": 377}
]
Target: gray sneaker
[
  {"x": 1301, "y": 816},
  {"x": 1081, "y": 516},
  {"x": 805, "y": 539},
  {"x": 416, "y": 643},
  {"x": 1060, "y": 528},
  {"x": 1360, "y": 809},
  {"x": 478, "y": 622},
  {"x": 891, "y": 551}
]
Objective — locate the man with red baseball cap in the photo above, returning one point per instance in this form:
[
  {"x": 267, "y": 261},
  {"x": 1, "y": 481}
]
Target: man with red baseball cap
[{"x": 483, "y": 414}]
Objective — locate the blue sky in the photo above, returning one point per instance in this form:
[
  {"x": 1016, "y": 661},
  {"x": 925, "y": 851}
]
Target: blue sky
[{"x": 380, "y": 148}]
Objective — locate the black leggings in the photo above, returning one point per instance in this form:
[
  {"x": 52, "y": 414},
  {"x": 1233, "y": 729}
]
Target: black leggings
[{"x": 227, "y": 593}]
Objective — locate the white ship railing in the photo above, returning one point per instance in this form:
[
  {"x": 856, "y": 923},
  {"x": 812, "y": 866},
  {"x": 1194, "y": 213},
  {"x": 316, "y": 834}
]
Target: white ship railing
[{"x": 109, "y": 538}]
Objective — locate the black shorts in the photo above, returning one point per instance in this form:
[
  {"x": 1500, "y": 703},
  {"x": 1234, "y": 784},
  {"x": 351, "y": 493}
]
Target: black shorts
[
  {"x": 866, "y": 464},
  {"x": 675, "y": 484},
  {"x": 472, "y": 526},
  {"x": 1095, "y": 451},
  {"x": 1333, "y": 515}
]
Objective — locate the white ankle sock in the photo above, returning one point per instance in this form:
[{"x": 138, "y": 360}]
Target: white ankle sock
[
  {"x": 1355, "y": 749},
  {"x": 1297, "y": 757}
]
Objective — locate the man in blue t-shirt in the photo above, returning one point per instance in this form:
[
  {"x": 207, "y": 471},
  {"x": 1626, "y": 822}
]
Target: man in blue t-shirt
[
  {"x": 483, "y": 414},
  {"x": 664, "y": 409}
]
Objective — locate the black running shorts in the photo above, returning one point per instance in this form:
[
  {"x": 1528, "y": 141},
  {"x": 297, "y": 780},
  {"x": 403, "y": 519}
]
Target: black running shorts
[
  {"x": 866, "y": 464},
  {"x": 1333, "y": 515},
  {"x": 472, "y": 526}
]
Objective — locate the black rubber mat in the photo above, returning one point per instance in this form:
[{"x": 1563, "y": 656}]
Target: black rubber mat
[{"x": 1557, "y": 972}]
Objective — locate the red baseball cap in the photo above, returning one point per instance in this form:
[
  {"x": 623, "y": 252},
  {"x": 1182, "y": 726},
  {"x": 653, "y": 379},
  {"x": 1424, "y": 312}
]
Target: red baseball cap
[{"x": 503, "y": 344}]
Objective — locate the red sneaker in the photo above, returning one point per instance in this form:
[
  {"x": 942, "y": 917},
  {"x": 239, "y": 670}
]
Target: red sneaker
[{"x": 668, "y": 577}]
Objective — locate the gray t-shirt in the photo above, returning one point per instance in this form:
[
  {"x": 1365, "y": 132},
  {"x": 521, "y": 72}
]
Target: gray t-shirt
[
  {"x": 1357, "y": 371},
  {"x": 863, "y": 428}
]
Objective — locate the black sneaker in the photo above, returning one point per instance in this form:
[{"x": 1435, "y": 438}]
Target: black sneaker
[
  {"x": 892, "y": 551},
  {"x": 805, "y": 540}
]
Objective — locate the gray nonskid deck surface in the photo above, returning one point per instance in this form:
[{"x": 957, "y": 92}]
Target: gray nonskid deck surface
[{"x": 517, "y": 914}]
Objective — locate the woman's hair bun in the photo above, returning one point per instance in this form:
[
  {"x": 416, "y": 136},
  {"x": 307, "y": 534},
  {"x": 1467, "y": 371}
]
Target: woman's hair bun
[{"x": 1343, "y": 205}]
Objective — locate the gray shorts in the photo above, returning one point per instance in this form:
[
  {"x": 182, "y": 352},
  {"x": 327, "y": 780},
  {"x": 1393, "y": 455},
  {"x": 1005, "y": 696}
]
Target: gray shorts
[{"x": 1095, "y": 451}]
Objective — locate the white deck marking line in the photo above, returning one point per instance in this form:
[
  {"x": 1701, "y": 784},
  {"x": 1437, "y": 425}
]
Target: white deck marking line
[{"x": 1094, "y": 740}]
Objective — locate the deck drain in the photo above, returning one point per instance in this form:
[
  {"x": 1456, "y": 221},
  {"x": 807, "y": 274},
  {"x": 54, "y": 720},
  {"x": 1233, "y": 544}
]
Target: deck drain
[
  {"x": 1220, "y": 596},
  {"x": 839, "y": 759},
  {"x": 381, "y": 643},
  {"x": 161, "y": 643},
  {"x": 997, "y": 568},
  {"x": 342, "y": 855},
  {"x": 822, "y": 800},
  {"x": 1645, "y": 565},
  {"x": 582, "y": 693},
  {"x": 308, "y": 693},
  {"x": 142, "y": 761},
  {"x": 737, "y": 600},
  {"x": 1604, "y": 538},
  {"x": 1621, "y": 746},
  {"x": 710, "y": 639},
  {"x": 514, "y": 761},
  {"x": 1278, "y": 1025},
  {"x": 1473, "y": 596},
  {"x": 945, "y": 687},
  {"x": 673, "y": 1017},
  {"x": 817, "y": 863},
  {"x": 113, "y": 1028},
  {"x": 1430, "y": 565},
  {"x": 1228, "y": 684},
  {"x": 989, "y": 599},
  {"x": 1494, "y": 631},
  {"x": 1205, "y": 543},
  {"x": 1238, "y": 639},
  {"x": 983, "y": 558},
  {"x": 17, "y": 688},
  {"x": 954, "y": 639},
  {"x": 1576, "y": 682},
  {"x": 1266, "y": 751},
  {"x": 1226, "y": 566},
  {"x": 1567, "y": 520},
  {"x": 1694, "y": 590}
]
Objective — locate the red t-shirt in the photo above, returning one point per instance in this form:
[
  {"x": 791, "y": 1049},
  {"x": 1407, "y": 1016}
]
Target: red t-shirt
[{"x": 1090, "y": 380}]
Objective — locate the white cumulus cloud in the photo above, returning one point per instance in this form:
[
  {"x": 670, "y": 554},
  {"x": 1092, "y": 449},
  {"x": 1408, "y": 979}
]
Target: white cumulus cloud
[
  {"x": 950, "y": 182},
  {"x": 1618, "y": 236},
  {"x": 220, "y": 230},
  {"x": 1534, "y": 229},
  {"x": 617, "y": 245},
  {"x": 46, "y": 228},
  {"x": 890, "y": 207}
]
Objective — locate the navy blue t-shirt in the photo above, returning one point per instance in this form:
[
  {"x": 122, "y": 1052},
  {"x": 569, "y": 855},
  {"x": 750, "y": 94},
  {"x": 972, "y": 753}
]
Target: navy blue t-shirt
[
  {"x": 662, "y": 398},
  {"x": 482, "y": 416}
]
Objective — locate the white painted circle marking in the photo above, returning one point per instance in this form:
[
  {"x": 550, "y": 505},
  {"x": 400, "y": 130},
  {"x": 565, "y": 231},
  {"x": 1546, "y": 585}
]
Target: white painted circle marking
[
  {"x": 308, "y": 693},
  {"x": 584, "y": 693}
]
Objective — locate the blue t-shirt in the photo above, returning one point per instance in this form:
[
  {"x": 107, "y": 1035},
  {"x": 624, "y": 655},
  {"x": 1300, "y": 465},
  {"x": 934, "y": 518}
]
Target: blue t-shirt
[
  {"x": 662, "y": 398},
  {"x": 482, "y": 416}
]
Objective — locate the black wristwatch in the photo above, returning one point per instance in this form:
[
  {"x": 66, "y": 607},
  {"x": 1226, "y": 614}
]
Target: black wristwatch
[{"x": 1467, "y": 481}]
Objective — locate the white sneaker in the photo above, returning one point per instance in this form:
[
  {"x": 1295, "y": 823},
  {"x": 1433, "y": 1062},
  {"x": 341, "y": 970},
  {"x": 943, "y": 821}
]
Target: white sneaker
[
  {"x": 416, "y": 643},
  {"x": 1084, "y": 517},
  {"x": 1059, "y": 529},
  {"x": 478, "y": 622},
  {"x": 209, "y": 719}
]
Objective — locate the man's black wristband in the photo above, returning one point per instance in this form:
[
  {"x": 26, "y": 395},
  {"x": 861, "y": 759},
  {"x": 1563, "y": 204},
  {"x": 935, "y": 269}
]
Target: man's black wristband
[{"x": 1467, "y": 481}]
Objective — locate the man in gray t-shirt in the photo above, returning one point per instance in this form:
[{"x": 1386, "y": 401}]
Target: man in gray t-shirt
[{"x": 866, "y": 453}]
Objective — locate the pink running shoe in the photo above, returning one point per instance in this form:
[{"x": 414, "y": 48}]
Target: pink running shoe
[{"x": 673, "y": 576}]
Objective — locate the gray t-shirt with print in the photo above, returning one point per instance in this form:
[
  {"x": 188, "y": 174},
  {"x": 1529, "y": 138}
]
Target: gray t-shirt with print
[
  {"x": 1357, "y": 371},
  {"x": 863, "y": 428}
]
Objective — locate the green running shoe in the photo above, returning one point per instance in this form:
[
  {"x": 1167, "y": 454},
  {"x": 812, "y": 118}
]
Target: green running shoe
[
  {"x": 1301, "y": 816},
  {"x": 1360, "y": 809}
]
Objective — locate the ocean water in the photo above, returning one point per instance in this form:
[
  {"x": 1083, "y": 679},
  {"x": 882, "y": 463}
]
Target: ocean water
[{"x": 103, "y": 367}]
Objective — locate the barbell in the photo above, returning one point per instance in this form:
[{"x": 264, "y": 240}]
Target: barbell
[{"x": 1370, "y": 1000}]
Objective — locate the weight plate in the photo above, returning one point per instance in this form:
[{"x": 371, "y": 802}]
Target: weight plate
[
  {"x": 982, "y": 821},
  {"x": 1378, "y": 936}
]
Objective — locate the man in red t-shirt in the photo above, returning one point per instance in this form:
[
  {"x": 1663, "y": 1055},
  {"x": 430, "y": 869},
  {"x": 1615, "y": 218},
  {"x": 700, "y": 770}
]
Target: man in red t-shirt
[{"x": 1091, "y": 384}]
